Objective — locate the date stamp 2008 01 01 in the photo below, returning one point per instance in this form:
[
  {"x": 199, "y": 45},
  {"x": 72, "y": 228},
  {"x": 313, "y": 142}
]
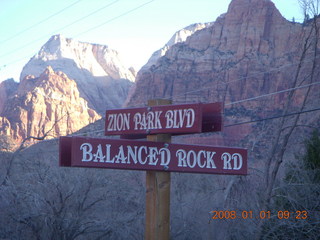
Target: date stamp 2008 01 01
[{"x": 231, "y": 214}]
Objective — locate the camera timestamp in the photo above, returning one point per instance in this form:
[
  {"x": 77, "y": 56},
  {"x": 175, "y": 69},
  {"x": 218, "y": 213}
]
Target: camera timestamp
[{"x": 232, "y": 214}]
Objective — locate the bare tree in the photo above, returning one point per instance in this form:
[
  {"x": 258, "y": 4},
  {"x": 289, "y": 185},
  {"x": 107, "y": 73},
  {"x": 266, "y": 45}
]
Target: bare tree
[
  {"x": 43, "y": 201},
  {"x": 39, "y": 200},
  {"x": 23, "y": 145},
  {"x": 309, "y": 8},
  {"x": 287, "y": 125},
  {"x": 296, "y": 199}
]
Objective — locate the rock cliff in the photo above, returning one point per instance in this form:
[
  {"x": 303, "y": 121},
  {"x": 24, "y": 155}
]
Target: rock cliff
[
  {"x": 178, "y": 37},
  {"x": 247, "y": 59},
  {"x": 100, "y": 76},
  {"x": 7, "y": 88},
  {"x": 241, "y": 55},
  {"x": 48, "y": 104}
]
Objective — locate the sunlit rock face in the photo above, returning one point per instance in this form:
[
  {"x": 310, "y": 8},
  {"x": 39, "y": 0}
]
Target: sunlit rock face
[
  {"x": 46, "y": 105},
  {"x": 247, "y": 58},
  {"x": 101, "y": 77},
  {"x": 235, "y": 57}
]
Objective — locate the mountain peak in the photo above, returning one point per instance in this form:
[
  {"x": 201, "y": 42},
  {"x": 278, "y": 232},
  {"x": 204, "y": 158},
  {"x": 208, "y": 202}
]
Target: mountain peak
[
  {"x": 252, "y": 9},
  {"x": 56, "y": 37},
  {"x": 50, "y": 101},
  {"x": 178, "y": 37},
  {"x": 252, "y": 32},
  {"x": 48, "y": 70},
  {"x": 59, "y": 52},
  {"x": 92, "y": 66}
]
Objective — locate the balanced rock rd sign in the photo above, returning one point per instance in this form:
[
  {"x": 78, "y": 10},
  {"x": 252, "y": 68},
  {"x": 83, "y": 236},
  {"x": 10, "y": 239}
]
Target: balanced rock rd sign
[{"x": 146, "y": 155}]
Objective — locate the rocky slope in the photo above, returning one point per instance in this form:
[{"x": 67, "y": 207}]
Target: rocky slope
[
  {"x": 100, "y": 76},
  {"x": 48, "y": 104},
  {"x": 248, "y": 52},
  {"x": 178, "y": 37},
  {"x": 7, "y": 88},
  {"x": 241, "y": 55}
]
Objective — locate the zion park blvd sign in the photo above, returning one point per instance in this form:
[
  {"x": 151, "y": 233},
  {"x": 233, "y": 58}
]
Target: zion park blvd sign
[
  {"x": 146, "y": 155},
  {"x": 173, "y": 119}
]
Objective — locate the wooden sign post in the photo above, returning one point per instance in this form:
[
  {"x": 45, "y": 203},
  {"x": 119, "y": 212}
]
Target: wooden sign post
[
  {"x": 157, "y": 156},
  {"x": 157, "y": 225}
]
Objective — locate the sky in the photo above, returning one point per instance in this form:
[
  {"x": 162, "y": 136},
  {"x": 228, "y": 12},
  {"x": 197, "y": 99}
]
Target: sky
[{"x": 135, "y": 28}]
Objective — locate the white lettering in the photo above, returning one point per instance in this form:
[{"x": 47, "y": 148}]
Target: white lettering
[
  {"x": 120, "y": 156},
  {"x": 86, "y": 152},
  {"x": 165, "y": 156},
  {"x": 157, "y": 120},
  {"x": 125, "y": 154},
  {"x": 110, "y": 122},
  {"x": 126, "y": 121},
  {"x": 108, "y": 160},
  {"x": 210, "y": 159},
  {"x": 226, "y": 157},
  {"x": 237, "y": 161},
  {"x": 182, "y": 117},
  {"x": 169, "y": 116},
  {"x": 181, "y": 155},
  {"x": 191, "y": 152},
  {"x": 118, "y": 122},
  {"x": 140, "y": 120},
  {"x": 132, "y": 154},
  {"x": 190, "y": 117},
  {"x": 150, "y": 118},
  {"x": 140, "y": 155},
  {"x": 99, "y": 155},
  {"x": 152, "y": 156},
  {"x": 175, "y": 119},
  {"x": 137, "y": 120},
  {"x": 199, "y": 159}
]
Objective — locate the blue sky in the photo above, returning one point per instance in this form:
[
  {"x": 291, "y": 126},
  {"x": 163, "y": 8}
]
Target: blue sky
[{"x": 135, "y": 28}]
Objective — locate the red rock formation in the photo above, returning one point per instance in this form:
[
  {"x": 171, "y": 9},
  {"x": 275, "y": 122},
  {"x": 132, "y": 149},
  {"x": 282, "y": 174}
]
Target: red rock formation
[
  {"x": 248, "y": 52},
  {"x": 49, "y": 104},
  {"x": 7, "y": 88}
]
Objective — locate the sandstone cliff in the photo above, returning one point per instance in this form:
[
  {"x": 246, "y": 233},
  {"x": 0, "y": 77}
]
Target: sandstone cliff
[
  {"x": 98, "y": 71},
  {"x": 247, "y": 59},
  {"x": 50, "y": 103},
  {"x": 249, "y": 51},
  {"x": 178, "y": 37},
  {"x": 7, "y": 88}
]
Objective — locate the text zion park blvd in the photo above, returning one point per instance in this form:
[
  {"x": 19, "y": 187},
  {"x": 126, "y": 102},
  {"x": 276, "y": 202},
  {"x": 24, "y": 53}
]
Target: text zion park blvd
[
  {"x": 148, "y": 119},
  {"x": 177, "y": 118},
  {"x": 173, "y": 119},
  {"x": 158, "y": 156}
]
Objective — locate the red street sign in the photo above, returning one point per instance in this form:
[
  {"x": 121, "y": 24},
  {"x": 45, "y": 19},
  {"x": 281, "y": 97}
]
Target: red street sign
[
  {"x": 174, "y": 119},
  {"x": 146, "y": 155}
]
